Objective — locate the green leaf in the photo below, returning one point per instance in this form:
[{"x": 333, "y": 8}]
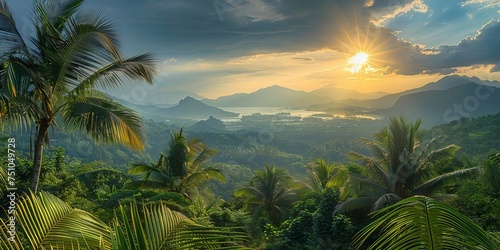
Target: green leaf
[
  {"x": 421, "y": 222},
  {"x": 49, "y": 222}
]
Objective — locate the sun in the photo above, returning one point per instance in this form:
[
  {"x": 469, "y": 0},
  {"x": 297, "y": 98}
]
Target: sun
[
  {"x": 358, "y": 62},
  {"x": 359, "y": 59}
]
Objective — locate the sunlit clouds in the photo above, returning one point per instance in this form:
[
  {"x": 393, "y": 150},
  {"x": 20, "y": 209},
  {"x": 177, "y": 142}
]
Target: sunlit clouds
[
  {"x": 365, "y": 45},
  {"x": 393, "y": 8}
]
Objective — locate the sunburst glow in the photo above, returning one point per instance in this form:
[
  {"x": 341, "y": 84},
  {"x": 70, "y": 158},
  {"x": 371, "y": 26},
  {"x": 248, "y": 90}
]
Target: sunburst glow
[
  {"x": 359, "y": 59},
  {"x": 358, "y": 62}
]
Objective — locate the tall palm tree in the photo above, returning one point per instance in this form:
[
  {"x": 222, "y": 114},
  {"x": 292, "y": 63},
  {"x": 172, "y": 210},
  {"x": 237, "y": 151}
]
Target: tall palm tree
[
  {"x": 71, "y": 56},
  {"x": 424, "y": 223},
  {"x": 269, "y": 194},
  {"x": 400, "y": 167},
  {"x": 49, "y": 223},
  {"x": 179, "y": 169}
]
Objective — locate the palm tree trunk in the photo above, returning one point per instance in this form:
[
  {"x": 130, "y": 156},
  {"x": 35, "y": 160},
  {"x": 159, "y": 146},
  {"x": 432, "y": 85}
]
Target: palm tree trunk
[{"x": 37, "y": 160}]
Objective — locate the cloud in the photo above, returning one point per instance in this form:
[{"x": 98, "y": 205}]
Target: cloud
[
  {"x": 480, "y": 49},
  {"x": 306, "y": 59},
  {"x": 495, "y": 68},
  {"x": 383, "y": 10},
  {"x": 180, "y": 31},
  {"x": 252, "y": 10},
  {"x": 483, "y": 3}
]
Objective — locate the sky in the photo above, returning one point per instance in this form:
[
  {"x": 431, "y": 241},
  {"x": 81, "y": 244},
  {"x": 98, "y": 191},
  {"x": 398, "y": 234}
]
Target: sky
[{"x": 219, "y": 47}]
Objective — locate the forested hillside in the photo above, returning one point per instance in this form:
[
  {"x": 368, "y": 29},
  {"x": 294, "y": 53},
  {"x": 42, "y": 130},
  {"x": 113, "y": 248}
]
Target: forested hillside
[{"x": 477, "y": 137}]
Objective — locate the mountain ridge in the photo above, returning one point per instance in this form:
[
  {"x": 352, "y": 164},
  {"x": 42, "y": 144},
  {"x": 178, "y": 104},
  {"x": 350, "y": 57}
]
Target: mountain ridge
[
  {"x": 268, "y": 97},
  {"x": 444, "y": 83},
  {"x": 436, "y": 107}
]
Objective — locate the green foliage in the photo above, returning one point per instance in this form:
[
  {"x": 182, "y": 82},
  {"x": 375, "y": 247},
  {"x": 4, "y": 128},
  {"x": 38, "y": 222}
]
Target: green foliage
[
  {"x": 269, "y": 194},
  {"x": 180, "y": 169},
  {"x": 323, "y": 216},
  {"x": 478, "y": 137},
  {"x": 49, "y": 223},
  {"x": 480, "y": 199},
  {"x": 325, "y": 175},
  {"x": 161, "y": 228},
  {"x": 401, "y": 166},
  {"x": 237, "y": 176},
  {"x": 312, "y": 224},
  {"x": 423, "y": 223}
]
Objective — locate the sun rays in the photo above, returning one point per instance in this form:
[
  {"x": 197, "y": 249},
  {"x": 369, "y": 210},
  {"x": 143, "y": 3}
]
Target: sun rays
[{"x": 358, "y": 62}]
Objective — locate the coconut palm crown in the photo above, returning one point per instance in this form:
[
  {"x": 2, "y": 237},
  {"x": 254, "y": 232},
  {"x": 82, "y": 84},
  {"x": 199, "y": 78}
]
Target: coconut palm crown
[
  {"x": 400, "y": 167},
  {"x": 179, "y": 170},
  {"x": 58, "y": 72}
]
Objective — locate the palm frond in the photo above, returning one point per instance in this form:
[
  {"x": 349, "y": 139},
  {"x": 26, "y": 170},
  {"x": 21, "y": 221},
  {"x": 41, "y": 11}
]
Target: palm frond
[
  {"x": 137, "y": 67},
  {"x": 48, "y": 222},
  {"x": 427, "y": 147},
  {"x": 65, "y": 11},
  {"x": 139, "y": 168},
  {"x": 385, "y": 200},
  {"x": 161, "y": 228},
  {"x": 250, "y": 193},
  {"x": 378, "y": 171},
  {"x": 197, "y": 178},
  {"x": 149, "y": 184},
  {"x": 359, "y": 185},
  {"x": 105, "y": 120},
  {"x": 352, "y": 204},
  {"x": 325, "y": 175},
  {"x": 200, "y": 154},
  {"x": 423, "y": 223},
  {"x": 88, "y": 46},
  {"x": 15, "y": 92},
  {"x": 44, "y": 20},
  {"x": 437, "y": 182},
  {"x": 11, "y": 39},
  {"x": 437, "y": 157}
]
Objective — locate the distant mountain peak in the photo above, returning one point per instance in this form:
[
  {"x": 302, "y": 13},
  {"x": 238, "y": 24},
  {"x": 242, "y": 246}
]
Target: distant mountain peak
[
  {"x": 188, "y": 99},
  {"x": 189, "y": 107}
]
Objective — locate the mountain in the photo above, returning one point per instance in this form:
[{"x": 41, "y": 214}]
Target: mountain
[
  {"x": 160, "y": 97},
  {"x": 147, "y": 111},
  {"x": 274, "y": 96},
  {"x": 469, "y": 100},
  {"x": 444, "y": 83},
  {"x": 191, "y": 108},
  {"x": 210, "y": 125},
  {"x": 342, "y": 94}
]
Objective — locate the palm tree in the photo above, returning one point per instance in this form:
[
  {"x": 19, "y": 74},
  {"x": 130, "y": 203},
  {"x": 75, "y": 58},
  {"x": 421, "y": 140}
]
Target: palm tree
[
  {"x": 179, "y": 169},
  {"x": 399, "y": 168},
  {"x": 269, "y": 194},
  {"x": 424, "y": 223},
  {"x": 50, "y": 223},
  {"x": 73, "y": 55}
]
